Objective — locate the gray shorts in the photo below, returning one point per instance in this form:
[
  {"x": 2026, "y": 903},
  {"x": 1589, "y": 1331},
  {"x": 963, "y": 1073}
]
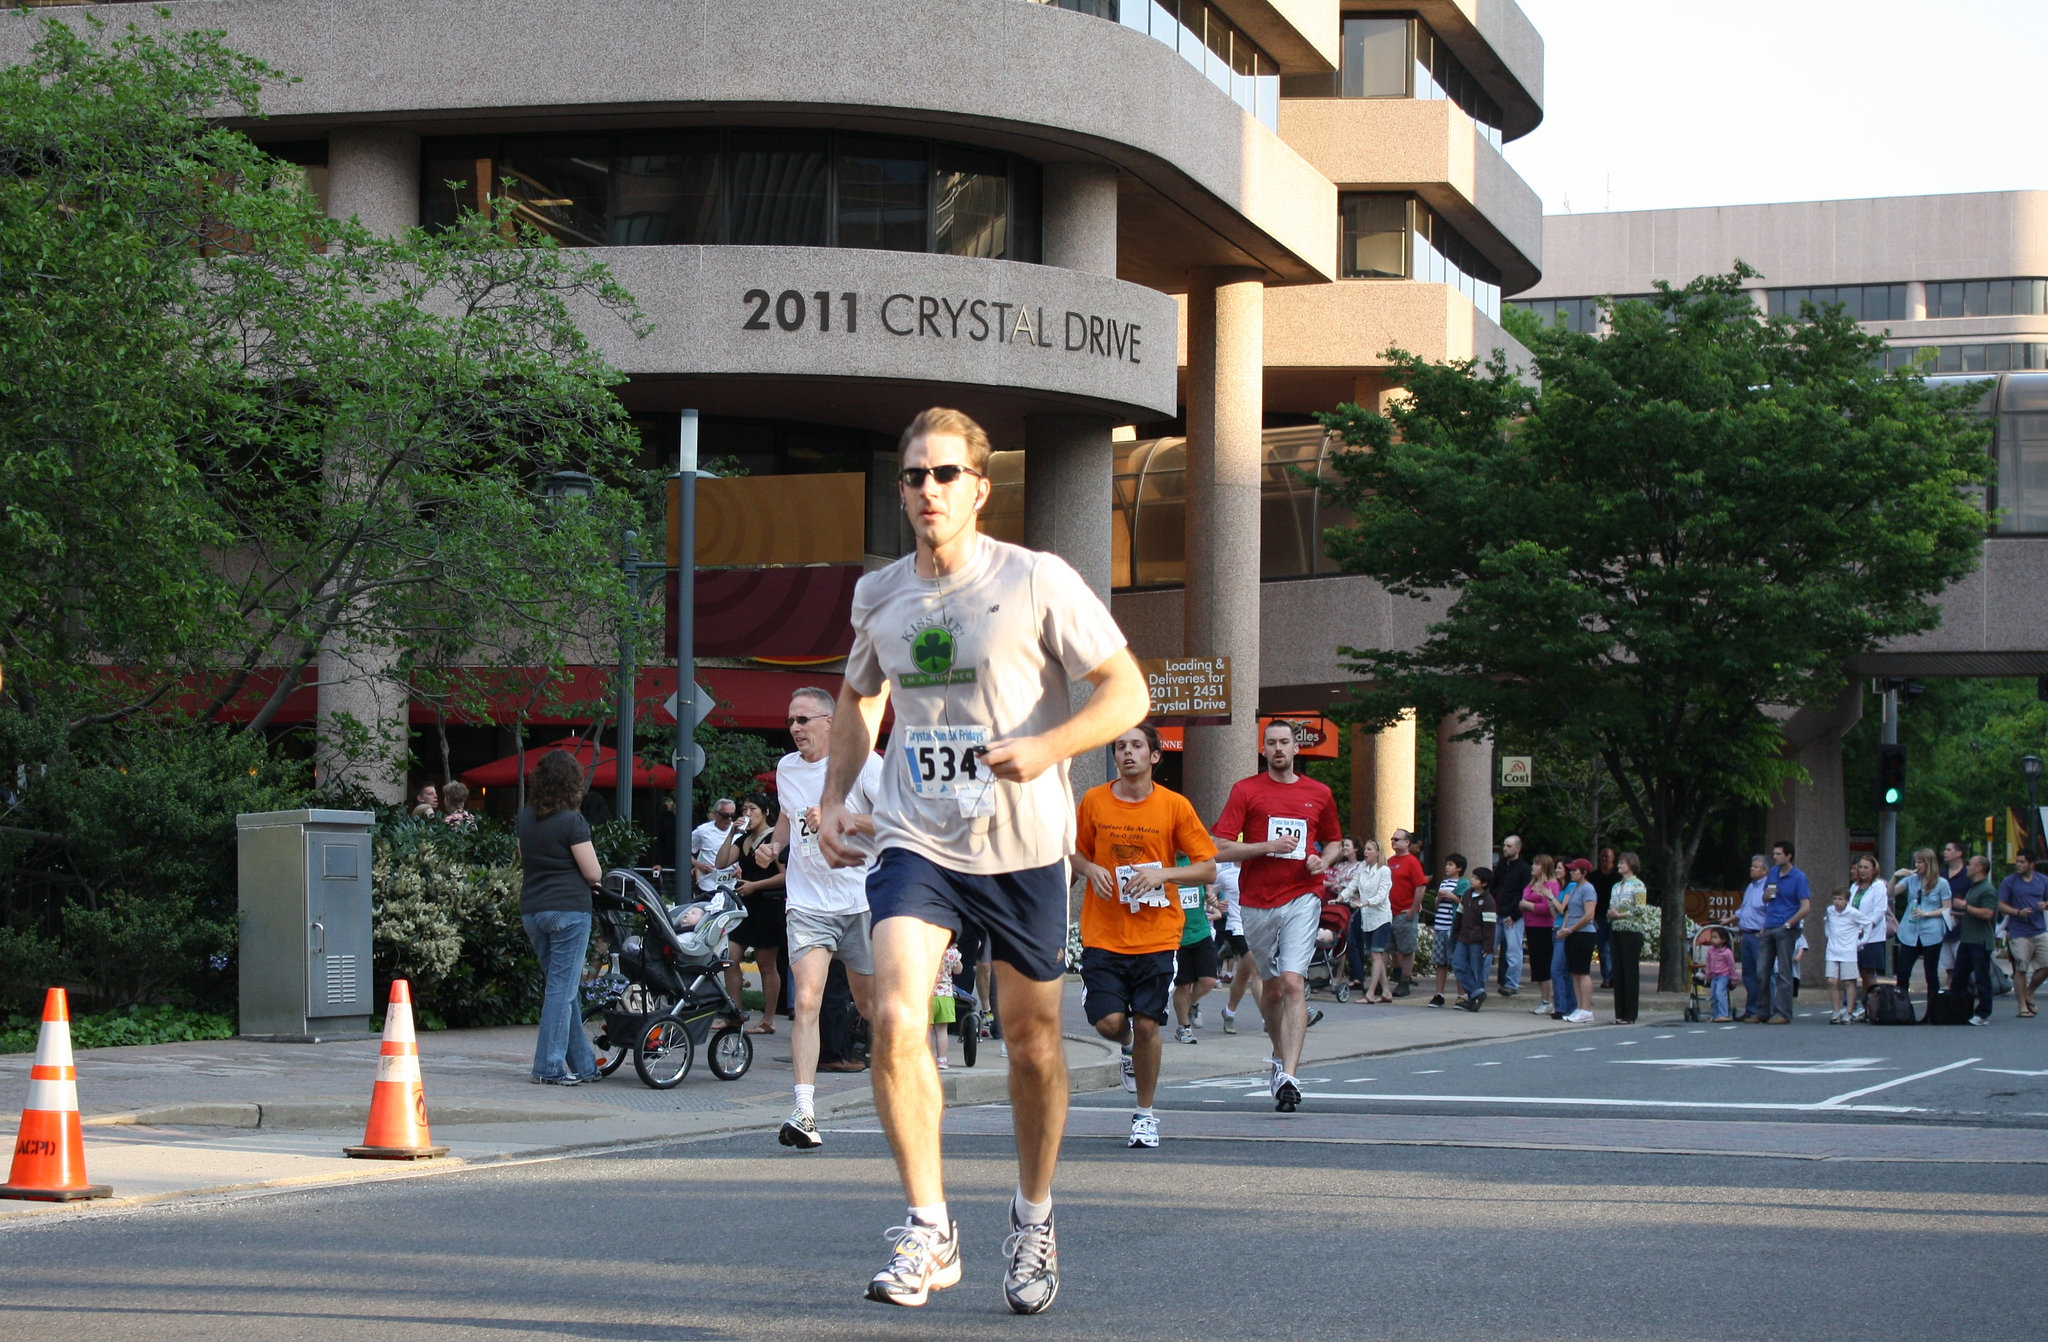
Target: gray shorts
[
  {"x": 1283, "y": 940},
  {"x": 842, "y": 934},
  {"x": 1404, "y": 934},
  {"x": 2028, "y": 952}
]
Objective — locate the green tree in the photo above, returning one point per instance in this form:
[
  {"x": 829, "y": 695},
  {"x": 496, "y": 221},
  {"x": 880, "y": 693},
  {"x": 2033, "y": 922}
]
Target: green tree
[{"x": 1663, "y": 539}]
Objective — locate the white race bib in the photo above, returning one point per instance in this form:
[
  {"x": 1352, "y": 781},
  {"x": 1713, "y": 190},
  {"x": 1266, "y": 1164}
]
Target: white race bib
[
  {"x": 1190, "y": 896},
  {"x": 1295, "y": 831},
  {"x": 1134, "y": 899},
  {"x": 806, "y": 839},
  {"x": 945, "y": 764}
]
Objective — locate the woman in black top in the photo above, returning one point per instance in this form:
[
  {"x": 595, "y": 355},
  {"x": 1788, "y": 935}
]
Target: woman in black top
[
  {"x": 558, "y": 865},
  {"x": 761, "y": 887}
]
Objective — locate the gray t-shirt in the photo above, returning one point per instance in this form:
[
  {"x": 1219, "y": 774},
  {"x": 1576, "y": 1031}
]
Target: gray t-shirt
[
  {"x": 811, "y": 882},
  {"x": 984, "y": 653},
  {"x": 551, "y": 882}
]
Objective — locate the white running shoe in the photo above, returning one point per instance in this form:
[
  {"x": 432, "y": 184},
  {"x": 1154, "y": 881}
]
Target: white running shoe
[
  {"x": 1185, "y": 1034},
  {"x": 1229, "y": 1021},
  {"x": 1195, "y": 1015},
  {"x": 1540, "y": 1009},
  {"x": 1144, "y": 1131},
  {"x": 1286, "y": 1094},
  {"x": 925, "y": 1259},
  {"x": 1033, "y": 1277},
  {"x": 800, "y": 1130},
  {"x": 1580, "y": 1017},
  {"x": 1129, "y": 1070}
]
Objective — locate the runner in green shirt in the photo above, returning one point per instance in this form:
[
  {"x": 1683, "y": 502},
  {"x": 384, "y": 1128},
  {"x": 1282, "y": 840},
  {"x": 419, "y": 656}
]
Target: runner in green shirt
[{"x": 1195, "y": 970}]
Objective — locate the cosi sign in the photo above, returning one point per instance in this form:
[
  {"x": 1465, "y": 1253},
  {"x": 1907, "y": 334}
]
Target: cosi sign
[{"x": 979, "y": 320}]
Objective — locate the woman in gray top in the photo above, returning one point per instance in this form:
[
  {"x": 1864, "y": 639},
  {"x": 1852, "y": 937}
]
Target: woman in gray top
[{"x": 559, "y": 867}]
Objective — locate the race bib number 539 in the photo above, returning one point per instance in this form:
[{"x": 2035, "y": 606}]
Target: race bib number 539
[{"x": 1294, "y": 831}]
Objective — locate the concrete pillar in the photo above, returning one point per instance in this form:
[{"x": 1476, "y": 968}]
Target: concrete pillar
[
  {"x": 373, "y": 174},
  {"x": 362, "y": 708},
  {"x": 1226, "y": 373},
  {"x": 1068, "y": 463},
  {"x": 1383, "y": 782},
  {"x": 1464, "y": 794},
  {"x": 1079, "y": 217},
  {"x": 1916, "y": 311},
  {"x": 1813, "y": 817}
]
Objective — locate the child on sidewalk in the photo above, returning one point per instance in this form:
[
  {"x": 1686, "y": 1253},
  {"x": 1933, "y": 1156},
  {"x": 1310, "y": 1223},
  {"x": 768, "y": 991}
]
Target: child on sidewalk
[
  {"x": 1845, "y": 933},
  {"x": 944, "y": 1013},
  {"x": 1720, "y": 969}
]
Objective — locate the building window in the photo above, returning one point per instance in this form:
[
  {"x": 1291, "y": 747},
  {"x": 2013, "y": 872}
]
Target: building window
[
  {"x": 1578, "y": 314},
  {"x": 1206, "y": 40},
  {"x": 1968, "y": 358},
  {"x": 1382, "y": 56},
  {"x": 1860, "y": 302},
  {"x": 1385, "y": 236},
  {"x": 2022, "y": 447},
  {"x": 1987, "y": 298},
  {"x": 743, "y": 187}
]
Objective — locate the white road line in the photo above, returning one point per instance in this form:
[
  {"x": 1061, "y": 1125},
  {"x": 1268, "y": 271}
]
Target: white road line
[
  {"x": 1352, "y": 1081},
  {"x": 2011, "y": 1071},
  {"x": 1581, "y": 1102},
  {"x": 1534, "y": 1056},
  {"x": 1838, "y": 1101},
  {"x": 1667, "y": 1036},
  {"x": 1587, "y": 1049},
  {"x": 1486, "y": 1064},
  {"x": 1429, "y": 1071}
]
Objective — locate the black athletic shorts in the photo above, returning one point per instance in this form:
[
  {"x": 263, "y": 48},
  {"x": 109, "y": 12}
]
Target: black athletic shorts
[
  {"x": 1196, "y": 960},
  {"x": 1578, "y": 951},
  {"x": 1238, "y": 945},
  {"x": 1115, "y": 984},
  {"x": 1024, "y": 913}
]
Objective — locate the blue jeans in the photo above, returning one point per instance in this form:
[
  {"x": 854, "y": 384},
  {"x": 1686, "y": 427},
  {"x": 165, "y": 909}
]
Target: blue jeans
[
  {"x": 1563, "y": 995},
  {"x": 1753, "y": 1003},
  {"x": 1717, "y": 996},
  {"x": 1776, "y": 965},
  {"x": 1507, "y": 938},
  {"x": 559, "y": 940},
  {"x": 1469, "y": 964}
]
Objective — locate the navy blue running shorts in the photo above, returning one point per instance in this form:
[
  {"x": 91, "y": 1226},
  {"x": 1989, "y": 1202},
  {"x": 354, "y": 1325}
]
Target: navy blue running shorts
[
  {"x": 1023, "y": 913},
  {"x": 1116, "y": 984}
]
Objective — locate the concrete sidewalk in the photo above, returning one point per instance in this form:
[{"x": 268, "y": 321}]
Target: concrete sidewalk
[{"x": 228, "y": 1116}]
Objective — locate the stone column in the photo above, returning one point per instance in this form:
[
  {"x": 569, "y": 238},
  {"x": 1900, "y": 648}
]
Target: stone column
[
  {"x": 1383, "y": 782},
  {"x": 1068, "y": 462},
  {"x": 1225, "y": 396},
  {"x": 373, "y": 175},
  {"x": 1916, "y": 311},
  {"x": 1464, "y": 794},
  {"x": 1812, "y": 816},
  {"x": 1080, "y": 217}
]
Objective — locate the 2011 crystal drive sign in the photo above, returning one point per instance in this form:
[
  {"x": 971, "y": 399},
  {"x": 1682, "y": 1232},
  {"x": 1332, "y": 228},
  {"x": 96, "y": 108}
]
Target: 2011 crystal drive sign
[
  {"x": 1189, "y": 689},
  {"x": 950, "y": 317}
]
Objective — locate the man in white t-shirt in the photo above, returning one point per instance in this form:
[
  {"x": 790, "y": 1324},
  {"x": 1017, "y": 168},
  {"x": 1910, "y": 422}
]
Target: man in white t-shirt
[
  {"x": 827, "y": 905},
  {"x": 975, "y": 643},
  {"x": 706, "y": 840}
]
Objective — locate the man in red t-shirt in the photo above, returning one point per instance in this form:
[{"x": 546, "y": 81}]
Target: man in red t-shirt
[
  {"x": 1281, "y": 829},
  {"x": 1409, "y": 877}
]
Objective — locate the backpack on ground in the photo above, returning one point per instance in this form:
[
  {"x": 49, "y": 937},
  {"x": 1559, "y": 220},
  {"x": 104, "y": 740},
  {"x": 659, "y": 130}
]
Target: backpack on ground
[
  {"x": 1949, "y": 1008},
  {"x": 2001, "y": 982},
  {"x": 1887, "y": 1005}
]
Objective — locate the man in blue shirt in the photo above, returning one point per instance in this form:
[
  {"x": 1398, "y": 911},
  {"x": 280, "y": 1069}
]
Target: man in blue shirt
[
  {"x": 1785, "y": 900},
  {"x": 2022, "y": 898},
  {"x": 1750, "y": 921}
]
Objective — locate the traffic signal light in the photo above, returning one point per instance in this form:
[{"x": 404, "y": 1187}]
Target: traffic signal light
[{"x": 1891, "y": 777}]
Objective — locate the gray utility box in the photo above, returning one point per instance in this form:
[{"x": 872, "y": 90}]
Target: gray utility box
[{"x": 305, "y": 924}]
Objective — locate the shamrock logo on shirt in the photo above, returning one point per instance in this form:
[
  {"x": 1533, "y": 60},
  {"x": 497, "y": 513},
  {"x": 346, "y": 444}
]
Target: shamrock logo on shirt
[{"x": 933, "y": 651}]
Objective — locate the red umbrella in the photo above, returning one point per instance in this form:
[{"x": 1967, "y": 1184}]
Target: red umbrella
[{"x": 601, "y": 763}]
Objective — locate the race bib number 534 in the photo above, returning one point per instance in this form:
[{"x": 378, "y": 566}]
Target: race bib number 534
[{"x": 945, "y": 763}]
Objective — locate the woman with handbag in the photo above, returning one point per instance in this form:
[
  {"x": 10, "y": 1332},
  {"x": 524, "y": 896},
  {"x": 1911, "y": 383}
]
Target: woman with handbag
[{"x": 1923, "y": 923}]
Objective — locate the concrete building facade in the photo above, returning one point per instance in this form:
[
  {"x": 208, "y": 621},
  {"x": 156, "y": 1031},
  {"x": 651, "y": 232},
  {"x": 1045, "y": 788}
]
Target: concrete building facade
[{"x": 1142, "y": 241}]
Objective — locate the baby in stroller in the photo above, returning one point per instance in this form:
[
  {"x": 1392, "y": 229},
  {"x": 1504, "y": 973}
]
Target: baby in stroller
[{"x": 666, "y": 990}]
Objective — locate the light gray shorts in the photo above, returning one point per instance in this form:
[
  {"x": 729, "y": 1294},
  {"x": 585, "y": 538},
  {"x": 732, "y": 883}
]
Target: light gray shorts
[
  {"x": 2028, "y": 952},
  {"x": 1283, "y": 940},
  {"x": 842, "y": 934}
]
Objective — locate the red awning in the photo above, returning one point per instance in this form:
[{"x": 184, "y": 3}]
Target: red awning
[
  {"x": 793, "y": 612},
  {"x": 505, "y": 772}
]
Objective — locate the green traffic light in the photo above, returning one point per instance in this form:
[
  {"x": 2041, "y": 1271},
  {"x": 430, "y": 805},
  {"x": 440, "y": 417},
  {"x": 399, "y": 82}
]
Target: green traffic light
[{"x": 1891, "y": 796}]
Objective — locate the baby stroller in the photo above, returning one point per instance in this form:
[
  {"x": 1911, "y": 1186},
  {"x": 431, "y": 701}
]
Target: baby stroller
[
  {"x": 1327, "y": 971},
  {"x": 1696, "y": 1001},
  {"x": 665, "y": 991}
]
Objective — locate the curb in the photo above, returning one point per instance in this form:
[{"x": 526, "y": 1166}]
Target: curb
[{"x": 322, "y": 1115}]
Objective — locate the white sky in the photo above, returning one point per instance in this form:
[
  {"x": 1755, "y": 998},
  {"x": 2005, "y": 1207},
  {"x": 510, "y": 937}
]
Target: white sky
[{"x": 1653, "y": 104}]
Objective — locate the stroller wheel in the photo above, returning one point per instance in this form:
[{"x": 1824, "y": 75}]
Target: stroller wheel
[
  {"x": 730, "y": 1054},
  {"x": 663, "y": 1054},
  {"x": 1692, "y": 1012},
  {"x": 610, "y": 1053},
  {"x": 970, "y": 1037},
  {"x": 1343, "y": 992}
]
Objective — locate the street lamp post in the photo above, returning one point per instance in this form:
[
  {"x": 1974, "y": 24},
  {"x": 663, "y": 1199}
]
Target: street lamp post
[{"x": 635, "y": 570}]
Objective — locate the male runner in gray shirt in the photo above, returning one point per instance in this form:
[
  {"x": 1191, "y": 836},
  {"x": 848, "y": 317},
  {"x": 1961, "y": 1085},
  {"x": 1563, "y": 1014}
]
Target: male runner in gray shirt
[{"x": 977, "y": 642}]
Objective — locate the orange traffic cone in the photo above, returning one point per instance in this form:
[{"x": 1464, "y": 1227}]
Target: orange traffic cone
[
  {"x": 398, "y": 1103},
  {"x": 49, "y": 1153}
]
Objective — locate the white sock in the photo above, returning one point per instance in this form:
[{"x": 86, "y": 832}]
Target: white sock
[
  {"x": 934, "y": 1215},
  {"x": 1030, "y": 1213},
  {"x": 807, "y": 1099},
  {"x": 1144, "y": 1111}
]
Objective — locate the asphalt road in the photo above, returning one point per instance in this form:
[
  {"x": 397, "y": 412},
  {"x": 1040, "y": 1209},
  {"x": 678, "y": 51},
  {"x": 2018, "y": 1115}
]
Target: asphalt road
[
  {"x": 735, "y": 1238},
  {"x": 1994, "y": 1075}
]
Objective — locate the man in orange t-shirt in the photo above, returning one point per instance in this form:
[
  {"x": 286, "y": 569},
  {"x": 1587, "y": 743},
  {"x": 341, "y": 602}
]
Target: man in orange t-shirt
[{"x": 1128, "y": 836}]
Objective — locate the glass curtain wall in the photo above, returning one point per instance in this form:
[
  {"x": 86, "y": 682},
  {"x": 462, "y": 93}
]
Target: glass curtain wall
[
  {"x": 1209, "y": 42},
  {"x": 743, "y": 187},
  {"x": 1398, "y": 56},
  {"x": 1579, "y": 314},
  {"x": 1968, "y": 358},
  {"x": 2022, "y": 447},
  {"x": 1383, "y": 236},
  {"x": 1862, "y": 302},
  {"x": 1987, "y": 298}
]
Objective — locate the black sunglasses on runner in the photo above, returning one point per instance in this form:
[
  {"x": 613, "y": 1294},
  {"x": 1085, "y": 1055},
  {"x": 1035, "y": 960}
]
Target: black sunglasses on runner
[
  {"x": 945, "y": 475},
  {"x": 801, "y": 721}
]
